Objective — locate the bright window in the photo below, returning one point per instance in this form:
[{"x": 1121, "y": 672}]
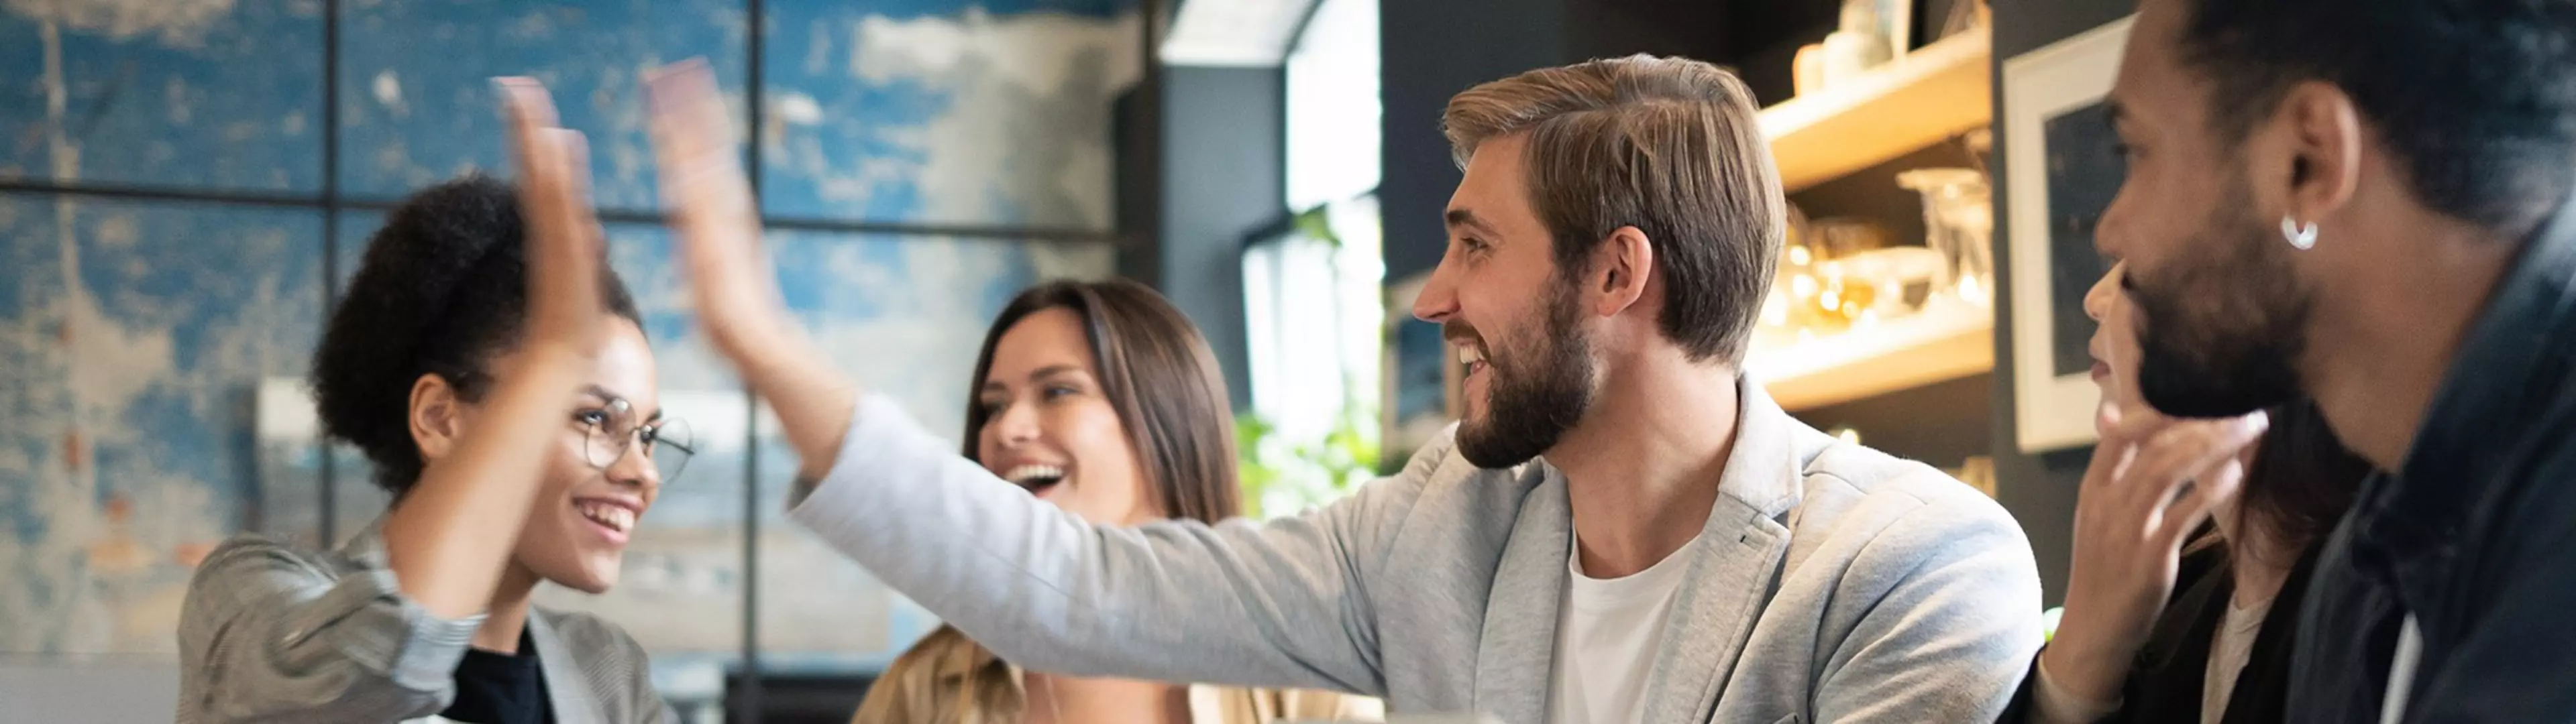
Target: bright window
[{"x": 1333, "y": 106}]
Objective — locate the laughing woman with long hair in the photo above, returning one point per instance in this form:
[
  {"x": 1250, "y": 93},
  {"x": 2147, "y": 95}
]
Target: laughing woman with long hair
[{"x": 1101, "y": 398}]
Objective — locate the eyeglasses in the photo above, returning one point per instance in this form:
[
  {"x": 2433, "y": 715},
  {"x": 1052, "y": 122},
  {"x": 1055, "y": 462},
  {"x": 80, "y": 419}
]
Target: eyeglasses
[{"x": 608, "y": 433}]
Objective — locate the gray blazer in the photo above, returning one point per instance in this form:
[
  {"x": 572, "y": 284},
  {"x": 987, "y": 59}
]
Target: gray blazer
[
  {"x": 1832, "y": 582},
  {"x": 276, "y": 633}
]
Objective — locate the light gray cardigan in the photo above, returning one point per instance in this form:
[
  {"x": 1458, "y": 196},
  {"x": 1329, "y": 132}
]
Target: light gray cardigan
[
  {"x": 273, "y": 632},
  {"x": 1832, "y": 582}
]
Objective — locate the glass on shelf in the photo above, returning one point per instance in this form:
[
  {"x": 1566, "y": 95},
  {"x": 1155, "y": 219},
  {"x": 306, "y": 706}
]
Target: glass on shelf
[
  {"x": 1819, "y": 295},
  {"x": 1959, "y": 223}
]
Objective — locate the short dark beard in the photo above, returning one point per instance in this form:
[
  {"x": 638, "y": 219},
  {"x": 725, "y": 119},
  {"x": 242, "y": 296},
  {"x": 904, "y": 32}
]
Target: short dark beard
[
  {"x": 1527, "y": 410},
  {"x": 2222, "y": 328}
]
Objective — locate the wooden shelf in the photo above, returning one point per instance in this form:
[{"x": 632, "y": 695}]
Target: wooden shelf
[
  {"x": 1938, "y": 91},
  {"x": 1941, "y": 343}
]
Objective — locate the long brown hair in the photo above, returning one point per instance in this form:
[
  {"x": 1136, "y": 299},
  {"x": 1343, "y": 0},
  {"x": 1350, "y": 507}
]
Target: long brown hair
[
  {"x": 2301, "y": 480},
  {"x": 1183, "y": 432},
  {"x": 1184, "y": 438}
]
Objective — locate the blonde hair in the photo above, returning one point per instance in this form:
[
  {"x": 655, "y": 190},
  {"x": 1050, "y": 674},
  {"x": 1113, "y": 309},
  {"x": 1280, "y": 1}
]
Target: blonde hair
[
  {"x": 1671, "y": 146},
  {"x": 945, "y": 679}
]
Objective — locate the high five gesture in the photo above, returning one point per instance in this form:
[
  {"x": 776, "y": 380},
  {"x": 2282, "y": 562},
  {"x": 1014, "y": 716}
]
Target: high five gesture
[{"x": 730, "y": 277}]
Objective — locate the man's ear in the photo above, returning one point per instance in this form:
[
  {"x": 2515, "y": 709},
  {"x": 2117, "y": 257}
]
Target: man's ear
[
  {"x": 1621, "y": 266},
  {"x": 2325, "y": 133}
]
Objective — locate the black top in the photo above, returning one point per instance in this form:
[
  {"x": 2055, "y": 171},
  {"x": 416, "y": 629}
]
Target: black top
[
  {"x": 2164, "y": 683},
  {"x": 497, "y": 688},
  {"x": 2475, "y": 535}
]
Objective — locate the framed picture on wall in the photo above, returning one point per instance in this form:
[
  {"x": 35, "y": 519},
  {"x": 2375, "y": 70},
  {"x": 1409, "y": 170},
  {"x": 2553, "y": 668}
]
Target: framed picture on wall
[{"x": 2063, "y": 169}]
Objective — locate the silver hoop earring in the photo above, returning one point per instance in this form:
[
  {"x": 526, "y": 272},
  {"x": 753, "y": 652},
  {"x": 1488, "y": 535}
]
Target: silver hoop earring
[{"x": 2303, "y": 237}]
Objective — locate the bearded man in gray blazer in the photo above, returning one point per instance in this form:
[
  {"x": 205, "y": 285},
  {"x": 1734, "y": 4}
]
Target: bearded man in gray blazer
[{"x": 1623, "y": 527}]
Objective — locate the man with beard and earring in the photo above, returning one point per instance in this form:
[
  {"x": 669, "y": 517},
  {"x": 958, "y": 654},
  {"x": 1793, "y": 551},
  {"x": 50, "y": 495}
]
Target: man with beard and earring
[
  {"x": 2368, "y": 203},
  {"x": 1622, "y": 529}
]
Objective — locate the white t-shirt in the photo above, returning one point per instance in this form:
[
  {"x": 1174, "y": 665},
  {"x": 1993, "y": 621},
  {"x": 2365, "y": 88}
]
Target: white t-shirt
[
  {"x": 2227, "y": 656},
  {"x": 1606, "y": 635},
  {"x": 2401, "y": 671}
]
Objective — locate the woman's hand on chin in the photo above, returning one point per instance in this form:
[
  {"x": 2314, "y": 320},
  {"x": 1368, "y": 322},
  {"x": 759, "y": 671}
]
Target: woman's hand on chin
[{"x": 2152, "y": 482}]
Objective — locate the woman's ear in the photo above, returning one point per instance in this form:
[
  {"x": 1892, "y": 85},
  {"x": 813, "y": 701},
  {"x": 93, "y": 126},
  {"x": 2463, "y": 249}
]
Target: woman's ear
[{"x": 436, "y": 416}]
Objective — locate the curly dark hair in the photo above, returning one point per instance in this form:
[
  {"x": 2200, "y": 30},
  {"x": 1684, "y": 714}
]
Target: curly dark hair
[{"x": 443, "y": 289}]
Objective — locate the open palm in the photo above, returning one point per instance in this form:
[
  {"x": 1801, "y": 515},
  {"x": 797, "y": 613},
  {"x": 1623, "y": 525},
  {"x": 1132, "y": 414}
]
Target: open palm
[{"x": 730, "y": 277}]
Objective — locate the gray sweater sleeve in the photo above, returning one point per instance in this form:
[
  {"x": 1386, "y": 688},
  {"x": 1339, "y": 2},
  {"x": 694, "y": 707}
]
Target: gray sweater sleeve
[
  {"x": 1276, "y": 604},
  {"x": 269, "y": 633}
]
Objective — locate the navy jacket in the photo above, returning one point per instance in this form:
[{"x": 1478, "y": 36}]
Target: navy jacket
[{"x": 2475, "y": 536}]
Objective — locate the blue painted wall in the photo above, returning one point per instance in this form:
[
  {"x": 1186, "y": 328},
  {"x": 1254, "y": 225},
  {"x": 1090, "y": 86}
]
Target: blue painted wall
[{"x": 134, "y": 331}]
